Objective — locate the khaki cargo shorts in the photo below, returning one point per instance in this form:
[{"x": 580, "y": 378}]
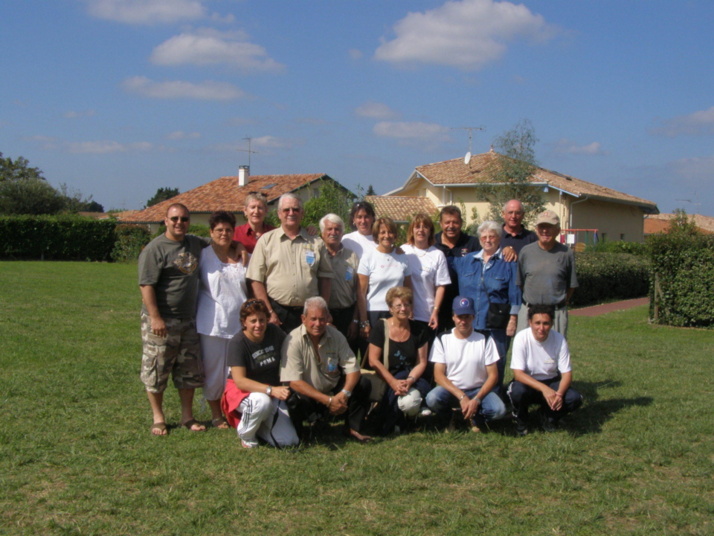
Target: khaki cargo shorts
[{"x": 178, "y": 354}]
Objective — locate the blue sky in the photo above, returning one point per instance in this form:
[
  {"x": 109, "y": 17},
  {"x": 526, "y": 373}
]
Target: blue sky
[{"x": 116, "y": 98}]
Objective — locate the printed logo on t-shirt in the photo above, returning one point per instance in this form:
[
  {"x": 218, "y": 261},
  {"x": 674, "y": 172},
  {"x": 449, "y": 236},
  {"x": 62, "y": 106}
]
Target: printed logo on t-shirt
[
  {"x": 264, "y": 357},
  {"x": 309, "y": 257},
  {"x": 186, "y": 262}
]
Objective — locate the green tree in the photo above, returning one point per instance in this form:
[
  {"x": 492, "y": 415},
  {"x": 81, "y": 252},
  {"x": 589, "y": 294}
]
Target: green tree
[
  {"x": 332, "y": 199},
  {"x": 29, "y": 196},
  {"x": 19, "y": 169},
  {"x": 162, "y": 194},
  {"x": 682, "y": 225},
  {"x": 510, "y": 172},
  {"x": 74, "y": 201},
  {"x": 370, "y": 190}
]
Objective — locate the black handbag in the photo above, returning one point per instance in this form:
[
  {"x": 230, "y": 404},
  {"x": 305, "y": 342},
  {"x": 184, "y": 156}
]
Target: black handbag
[{"x": 498, "y": 315}]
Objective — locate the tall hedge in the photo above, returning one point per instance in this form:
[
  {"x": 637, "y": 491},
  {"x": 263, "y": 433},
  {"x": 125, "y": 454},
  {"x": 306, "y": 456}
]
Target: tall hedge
[
  {"x": 682, "y": 290},
  {"x": 66, "y": 237},
  {"x": 610, "y": 276}
]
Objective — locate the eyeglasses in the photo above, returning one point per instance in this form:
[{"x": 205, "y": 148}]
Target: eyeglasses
[
  {"x": 183, "y": 219},
  {"x": 251, "y": 303}
]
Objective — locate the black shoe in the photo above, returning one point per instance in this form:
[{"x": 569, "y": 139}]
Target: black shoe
[
  {"x": 549, "y": 424},
  {"x": 521, "y": 428}
]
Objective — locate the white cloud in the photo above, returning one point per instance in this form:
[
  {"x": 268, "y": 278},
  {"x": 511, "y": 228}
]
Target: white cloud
[
  {"x": 695, "y": 124},
  {"x": 74, "y": 114},
  {"x": 565, "y": 146},
  {"x": 466, "y": 34},
  {"x": 177, "y": 89},
  {"x": 146, "y": 11},
  {"x": 375, "y": 110},
  {"x": 107, "y": 147},
  {"x": 211, "y": 47},
  {"x": 696, "y": 168},
  {"x": 355, "y": 54},
  {"x": 271, "y": 142},
  {"x": 262, "y": 144},
  {"x": 413, "y": 133},
  {"x": 181, "y": 135}
]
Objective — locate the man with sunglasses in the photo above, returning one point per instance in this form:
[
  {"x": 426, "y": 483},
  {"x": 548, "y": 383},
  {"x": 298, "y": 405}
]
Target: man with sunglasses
[
  {"x": 289, "y": 266},
  {"x": 168, "y": 280}
]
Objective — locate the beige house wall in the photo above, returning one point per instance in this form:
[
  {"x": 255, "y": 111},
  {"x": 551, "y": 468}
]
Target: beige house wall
[{"x": 614, "y": 221}]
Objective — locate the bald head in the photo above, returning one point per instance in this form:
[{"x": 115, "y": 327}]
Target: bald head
[{"x": 513, "y": 216}]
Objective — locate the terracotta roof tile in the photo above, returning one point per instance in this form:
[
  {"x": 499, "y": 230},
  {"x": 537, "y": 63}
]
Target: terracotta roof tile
[
  {"x": 659, "y": 223},
  {"x": 225, "y": 194},
  {"x": 400, "y": 208},
  {"x": 457, "y": 172}
]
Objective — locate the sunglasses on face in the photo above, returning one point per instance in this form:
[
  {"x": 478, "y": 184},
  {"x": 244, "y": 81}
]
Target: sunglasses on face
[{"x": 183, "y": 219}]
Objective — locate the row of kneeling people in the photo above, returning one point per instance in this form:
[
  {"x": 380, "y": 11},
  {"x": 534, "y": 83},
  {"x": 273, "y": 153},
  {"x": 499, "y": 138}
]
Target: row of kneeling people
[{"x": 279, "y": 382}]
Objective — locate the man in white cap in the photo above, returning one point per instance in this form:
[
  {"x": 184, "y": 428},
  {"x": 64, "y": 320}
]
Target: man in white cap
[
  {"x": 466, "y": 371},
  {"x": 546, "y": 273}
]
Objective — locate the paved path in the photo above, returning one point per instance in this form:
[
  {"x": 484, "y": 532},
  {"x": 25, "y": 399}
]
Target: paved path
[{"x": 596, "y": 310}]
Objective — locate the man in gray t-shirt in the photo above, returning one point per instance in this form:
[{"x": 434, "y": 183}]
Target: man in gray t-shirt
[
  {"x": 546, "y": 273},
  {"x": 168, "y": 280}
]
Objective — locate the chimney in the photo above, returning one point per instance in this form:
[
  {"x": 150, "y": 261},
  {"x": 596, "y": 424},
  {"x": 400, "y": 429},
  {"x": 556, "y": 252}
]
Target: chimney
[{"x": 243, "y": 175}]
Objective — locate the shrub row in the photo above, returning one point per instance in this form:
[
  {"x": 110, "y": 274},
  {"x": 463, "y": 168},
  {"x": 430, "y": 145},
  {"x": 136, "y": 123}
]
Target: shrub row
[
  {"x": 682, "y": 290},
  {"x": 610, "y": 276},
  {"x": 67, "y": 237}
]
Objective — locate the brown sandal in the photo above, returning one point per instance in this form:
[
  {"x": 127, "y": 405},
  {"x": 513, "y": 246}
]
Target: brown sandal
[
  {"x": 189, "y": 425},
  {"x": 221, "y": 423}
]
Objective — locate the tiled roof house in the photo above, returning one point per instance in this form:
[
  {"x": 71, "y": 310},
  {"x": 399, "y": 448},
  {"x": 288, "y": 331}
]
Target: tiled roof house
[
  {"x": 580, "y": 204},
  {"x": 659, "y": 223},
  {"x": 229, "y": 193}
]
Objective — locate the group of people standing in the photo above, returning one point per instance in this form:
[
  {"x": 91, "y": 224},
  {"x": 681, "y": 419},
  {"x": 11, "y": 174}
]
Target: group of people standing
[{"x": 270, "y": 321}]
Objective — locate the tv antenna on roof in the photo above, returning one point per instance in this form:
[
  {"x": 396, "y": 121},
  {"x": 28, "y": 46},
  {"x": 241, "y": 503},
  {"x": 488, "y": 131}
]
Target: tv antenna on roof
[
  {"x": 248, "y": 150},
  {"x": 467, "y": 156}
]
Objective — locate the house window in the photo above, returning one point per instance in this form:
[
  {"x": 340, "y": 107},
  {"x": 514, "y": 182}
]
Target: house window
[{"x": 622, "y": 236}]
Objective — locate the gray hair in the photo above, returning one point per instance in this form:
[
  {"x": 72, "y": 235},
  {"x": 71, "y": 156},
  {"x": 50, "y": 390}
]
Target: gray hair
[
  {"x": 331, "y": 218},
  {"x": 487, "y": 226},
  {"x": 256, "y": 196},
  {"x": 288, "y": 195},
  {"x": 316, "y": 302}
]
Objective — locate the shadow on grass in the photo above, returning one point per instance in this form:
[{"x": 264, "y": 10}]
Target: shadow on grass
[{"x": 590, "y": 418}]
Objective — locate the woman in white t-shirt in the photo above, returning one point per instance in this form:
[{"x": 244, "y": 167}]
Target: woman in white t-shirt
[
  {"x": 222, "y": 291},
  {"x": 360, "y": 240},
  {"x": 378, "y": 271},
  {"x": 430, "y": 273}
]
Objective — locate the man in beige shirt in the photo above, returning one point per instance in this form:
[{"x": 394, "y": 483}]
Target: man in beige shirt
[
  {"x": 323, "y": 372},
  {"x": 343, "y": 292},
  {"x": 289, "y": 266}
]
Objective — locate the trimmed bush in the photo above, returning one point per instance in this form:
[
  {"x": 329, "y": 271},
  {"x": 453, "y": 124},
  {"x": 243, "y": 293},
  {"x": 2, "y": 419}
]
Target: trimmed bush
[
  {"x": 607, "y": 277},
  {"x": 65, "y": 237},
  {"x": 130, "y": 240},
  {"x": 619, "y": 246},
  {"x": 682, "y": 290}
]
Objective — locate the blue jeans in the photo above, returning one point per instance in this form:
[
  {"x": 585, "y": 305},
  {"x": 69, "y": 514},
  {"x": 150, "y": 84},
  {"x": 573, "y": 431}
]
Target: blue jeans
[{"x": 441, "y": 402}]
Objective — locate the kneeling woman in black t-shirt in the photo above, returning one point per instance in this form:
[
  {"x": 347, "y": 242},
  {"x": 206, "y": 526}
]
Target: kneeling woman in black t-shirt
[
  {"x": 254, "y": 400},
  {"x": 402, "y": 368}
]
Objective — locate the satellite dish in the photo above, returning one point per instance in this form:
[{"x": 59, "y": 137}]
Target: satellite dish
[{"x": 467, "y": 158}]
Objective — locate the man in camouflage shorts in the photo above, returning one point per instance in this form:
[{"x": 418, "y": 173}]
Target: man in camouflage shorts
[{"x": 168, "y": 280}]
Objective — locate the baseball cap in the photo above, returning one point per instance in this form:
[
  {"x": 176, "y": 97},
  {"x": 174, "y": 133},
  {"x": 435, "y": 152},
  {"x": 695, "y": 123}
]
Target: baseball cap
[
  {"x": 549, "y": 217},
  {"x": 463, "y": 305}
]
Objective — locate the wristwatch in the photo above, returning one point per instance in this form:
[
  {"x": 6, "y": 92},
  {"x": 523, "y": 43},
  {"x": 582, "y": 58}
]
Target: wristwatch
[
  {"x": 347, "y": 393},
  {"x": 269, "y": 390}
]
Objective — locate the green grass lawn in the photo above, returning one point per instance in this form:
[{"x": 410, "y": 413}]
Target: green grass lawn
[{"x": 76, "y": 456}]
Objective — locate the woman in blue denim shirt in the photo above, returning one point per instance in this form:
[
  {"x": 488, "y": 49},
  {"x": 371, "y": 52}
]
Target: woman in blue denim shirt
[{"x": 488, "y": 279}]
